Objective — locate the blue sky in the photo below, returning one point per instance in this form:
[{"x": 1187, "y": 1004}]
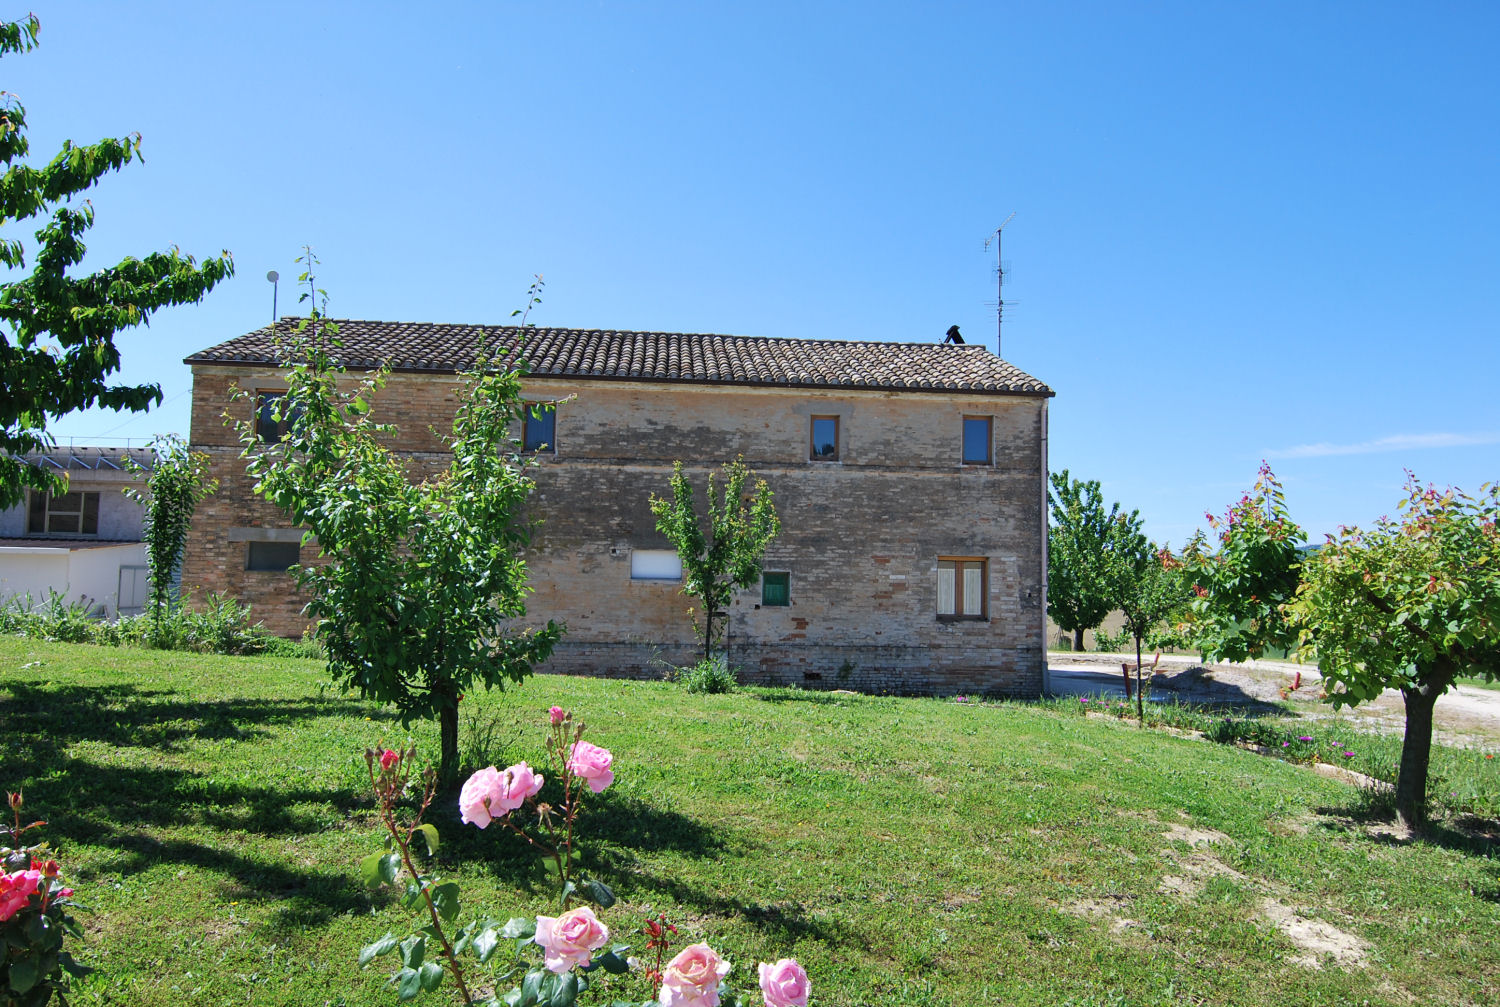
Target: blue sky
[{"x": 1241, "y": 231}]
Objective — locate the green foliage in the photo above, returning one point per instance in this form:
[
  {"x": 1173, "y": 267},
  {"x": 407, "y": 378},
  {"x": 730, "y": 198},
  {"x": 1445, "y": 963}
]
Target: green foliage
[
  {"x": 1242, "y": 588},
  {"x": 34, "y": 966},
  {"x": 220, "y": 625},
  {"x": 423, "y": 582},
  {"x": 1112, "y": 643},
  {"x": 1081, "y": 539},
  {"x": 728, "y": 554},
  {"x": 710, "y": 676},
  {"x": 177, "y": 482},
  {"x": 58, "y": 352},
  {"x": 1410, "y": 604}
]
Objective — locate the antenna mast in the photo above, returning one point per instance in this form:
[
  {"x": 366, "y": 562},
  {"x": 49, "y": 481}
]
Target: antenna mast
[{"x": 999, "y": 280}]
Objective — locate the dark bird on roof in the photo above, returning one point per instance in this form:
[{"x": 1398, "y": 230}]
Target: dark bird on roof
[{"x": 953, "y": 336}]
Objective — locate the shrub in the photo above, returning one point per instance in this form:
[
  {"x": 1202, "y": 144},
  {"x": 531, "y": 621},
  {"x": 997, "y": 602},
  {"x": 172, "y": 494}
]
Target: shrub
[
  {"x": 548, "y": 961},
  {"x": 1117, "y": 643},
  {"x": 34, "y": 919},
  {"x": 709, "y": 676},
  {"x": 222, "y": 626}
]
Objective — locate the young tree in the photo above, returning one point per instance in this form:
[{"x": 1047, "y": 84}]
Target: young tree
[
  {"x": 1411, "y": 604},
  {"x": 177, "y": 483},
  {"x": 1242, "y": 589},
  {"x": 1146, "y": 584},
  {"x": 1080, "y": 540},
  {"x": 728, "y": 554},
  {"x": 59, "y": 351},
  {"x": 423, "y": 582}
]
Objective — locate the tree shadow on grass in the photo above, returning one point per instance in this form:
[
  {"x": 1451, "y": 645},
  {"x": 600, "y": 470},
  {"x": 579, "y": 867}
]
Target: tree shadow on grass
[
  {"x": 1373, "y": 816},
  {"x": 109, "y": 803},
  {"x": 49, "y": 718},
  {"x": 783, "y": 923},
  {"x": 772, "y": 694},
  {"x": 609, "y": 821}
]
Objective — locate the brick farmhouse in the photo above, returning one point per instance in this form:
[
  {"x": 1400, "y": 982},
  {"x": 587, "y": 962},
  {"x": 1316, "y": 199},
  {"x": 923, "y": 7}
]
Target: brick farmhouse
[{"x": 910, "y": 479}]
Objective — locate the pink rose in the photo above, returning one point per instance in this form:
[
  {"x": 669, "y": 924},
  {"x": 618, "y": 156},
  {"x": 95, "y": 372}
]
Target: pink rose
[
  {"x": 15, "y": 891},
  {"x": 784, "y": 984},
  {"x": 515, "y": 785},
  {"x": 474, "y": 799},
  {"x": 692, "y": 978},
  {"x": 591, "y": 764},
  {"x": 388, "y": 758},
  {"x": 570, "y": 939},
  {"x": 558, "y": 714}
]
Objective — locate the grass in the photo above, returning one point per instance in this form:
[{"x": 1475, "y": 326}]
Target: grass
[
  {"x": 212, "y": 810},
  {"x": 1462, "y": 782}
]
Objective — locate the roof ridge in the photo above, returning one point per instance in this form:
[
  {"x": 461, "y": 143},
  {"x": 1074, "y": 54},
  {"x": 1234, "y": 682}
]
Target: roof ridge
[{"x": 831, "y": 340}]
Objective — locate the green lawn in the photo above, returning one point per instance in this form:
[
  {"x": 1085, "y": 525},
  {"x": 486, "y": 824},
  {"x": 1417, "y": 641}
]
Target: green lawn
[{"x": 212, "y": 811}]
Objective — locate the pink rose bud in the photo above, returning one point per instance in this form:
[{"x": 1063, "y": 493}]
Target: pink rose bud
[
  {"x": 570, "y": 939},
  {"x": 474, "y": 799},
  {"x": 558, "y": 714},
  {"x": 784, "y": 984},
  {"x": 591, "y": 764},
  {"x": 692, "y": 978},
  {"x": 388, "y": 759}
]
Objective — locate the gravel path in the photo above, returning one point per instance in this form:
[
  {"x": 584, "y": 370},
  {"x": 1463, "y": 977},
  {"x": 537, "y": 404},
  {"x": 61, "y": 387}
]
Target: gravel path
[{"x": 1465, "y": 714}]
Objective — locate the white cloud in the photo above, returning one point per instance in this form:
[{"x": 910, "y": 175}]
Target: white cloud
[{"x": 1398, "y": 442}]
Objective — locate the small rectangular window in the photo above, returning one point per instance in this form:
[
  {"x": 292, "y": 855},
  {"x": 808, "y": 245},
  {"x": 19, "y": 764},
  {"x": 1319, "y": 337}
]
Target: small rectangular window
[
  {"x": 977, "y": 440},
  {"x": 272, "y": 419},
  {"x": 655, "y": 564},
  {"x": 775, "y": 589},
  {"x": 538, "y": 427},
  {"x": 962, "y": 588},
  {"x": 273, "y": 556},
  {"x": 824, "y": 439},
  {"x": 73, "y": 513}
]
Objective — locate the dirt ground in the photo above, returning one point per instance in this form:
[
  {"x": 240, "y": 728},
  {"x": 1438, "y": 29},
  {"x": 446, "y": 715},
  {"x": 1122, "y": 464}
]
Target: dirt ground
[{"x": 1464, "y": 716}]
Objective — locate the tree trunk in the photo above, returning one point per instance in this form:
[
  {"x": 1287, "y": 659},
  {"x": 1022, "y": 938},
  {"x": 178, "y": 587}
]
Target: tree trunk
[
  {"x": 1416, "y": 746},
  {"x": 708, "y": 632},
  {"x": 1078, "y": 641},
  {"x": 1140, "y": 700},
  {"x": 448, "y": 733}
]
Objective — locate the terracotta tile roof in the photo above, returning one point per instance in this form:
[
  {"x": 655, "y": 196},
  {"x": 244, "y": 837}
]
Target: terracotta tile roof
[{"x": 658, "y": 356}]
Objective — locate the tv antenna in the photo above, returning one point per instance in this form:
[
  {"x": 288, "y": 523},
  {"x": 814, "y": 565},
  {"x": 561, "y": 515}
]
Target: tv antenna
[{"x": 999, "y": 279}]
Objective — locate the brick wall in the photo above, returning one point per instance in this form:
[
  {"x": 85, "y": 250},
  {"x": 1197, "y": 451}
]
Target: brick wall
[{"x": 861, "y": 537}]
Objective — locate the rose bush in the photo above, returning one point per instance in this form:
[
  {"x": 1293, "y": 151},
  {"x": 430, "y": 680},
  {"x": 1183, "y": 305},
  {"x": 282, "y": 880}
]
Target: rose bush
[
  {"x": 34, "y": 920},
  {"x": 575, "y": 944}
]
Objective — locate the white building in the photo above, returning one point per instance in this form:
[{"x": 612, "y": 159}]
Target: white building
[{"x": 84, "y": 544}]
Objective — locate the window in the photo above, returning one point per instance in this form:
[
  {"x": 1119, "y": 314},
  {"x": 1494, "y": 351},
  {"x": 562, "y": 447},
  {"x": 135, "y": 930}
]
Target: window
[
  {"x": 655, "y": 564},
  {"x": 273, "y": 556},
  {"x": 268, "y": 406},
  {"x": 961, "y": 588},
  {"x": 824, "y": 439},
  {"x": 75, "y": 513},
  {"x": 977, "y": 440},
  {"x": 538, "y": 427},
  {"x": 775, "y": 589}
]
